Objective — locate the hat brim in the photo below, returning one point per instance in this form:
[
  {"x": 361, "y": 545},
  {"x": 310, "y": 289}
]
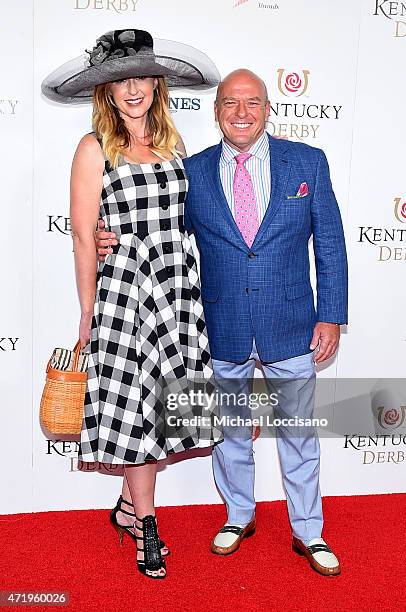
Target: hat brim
[{"x": 182, "y": 66}]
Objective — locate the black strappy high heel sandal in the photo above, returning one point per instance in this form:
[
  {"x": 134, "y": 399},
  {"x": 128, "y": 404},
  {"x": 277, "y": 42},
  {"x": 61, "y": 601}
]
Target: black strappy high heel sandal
[
  {"x": 153, "y": 561},
  {"x": 122, "y": 529}
]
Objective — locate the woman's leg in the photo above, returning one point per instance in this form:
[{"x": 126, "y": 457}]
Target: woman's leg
[
  {"x": 140, "y": 480},
  {"x": 125, "y": 494},
  {"x": 125, "y": 519}
]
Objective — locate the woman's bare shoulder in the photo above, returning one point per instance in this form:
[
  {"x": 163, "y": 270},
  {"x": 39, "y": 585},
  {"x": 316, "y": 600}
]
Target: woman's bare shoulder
[
  {"x": 180, "y": 148},
  {"x": 89, "y": 151},
  {"x": 89, "y": 143}
]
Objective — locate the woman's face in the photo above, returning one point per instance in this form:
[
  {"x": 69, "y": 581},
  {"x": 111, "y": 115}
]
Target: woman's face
[{"x": 133, "y": 97}]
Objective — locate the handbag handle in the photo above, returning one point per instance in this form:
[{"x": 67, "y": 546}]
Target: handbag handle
[
  {"x": 76, "y": 354},
  {"x": 76, "y": 351}
]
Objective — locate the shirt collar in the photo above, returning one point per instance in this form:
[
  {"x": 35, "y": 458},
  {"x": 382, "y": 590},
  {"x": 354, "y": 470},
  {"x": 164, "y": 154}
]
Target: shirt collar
[{"x": 259, "y": 149}]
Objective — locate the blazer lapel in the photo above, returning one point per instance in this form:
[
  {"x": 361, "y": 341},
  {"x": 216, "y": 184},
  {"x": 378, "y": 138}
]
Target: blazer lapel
[
  {"x": 213, "y": 172},
  {"x": 280, "y": 169}
]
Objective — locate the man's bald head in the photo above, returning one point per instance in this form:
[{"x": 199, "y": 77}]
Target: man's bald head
[{"x": 242, "y": 75}]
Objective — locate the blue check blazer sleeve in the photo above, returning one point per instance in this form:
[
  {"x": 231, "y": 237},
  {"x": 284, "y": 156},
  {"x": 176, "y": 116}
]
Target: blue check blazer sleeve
[
  {"x": 187, "y": 220},
  {"x": 329, "y": 249}
]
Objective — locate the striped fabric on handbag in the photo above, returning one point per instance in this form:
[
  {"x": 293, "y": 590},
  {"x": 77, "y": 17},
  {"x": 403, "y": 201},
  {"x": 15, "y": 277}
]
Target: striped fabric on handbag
[{"x": 62, "y": 359}]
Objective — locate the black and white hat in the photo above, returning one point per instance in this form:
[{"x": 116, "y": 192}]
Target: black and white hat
[{"x": 122, "y": 54}]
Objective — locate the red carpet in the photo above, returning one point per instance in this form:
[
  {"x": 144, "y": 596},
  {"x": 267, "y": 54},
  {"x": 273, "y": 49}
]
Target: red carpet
[{"x": 78, "y": 552}]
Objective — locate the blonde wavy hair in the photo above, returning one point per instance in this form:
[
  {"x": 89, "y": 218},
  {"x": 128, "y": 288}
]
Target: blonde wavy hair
[{"x": 113, "y": 133}]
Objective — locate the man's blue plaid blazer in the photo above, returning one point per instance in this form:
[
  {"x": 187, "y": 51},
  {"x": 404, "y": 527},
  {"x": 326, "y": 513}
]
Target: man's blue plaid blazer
[{"x": 265, "y": 291}]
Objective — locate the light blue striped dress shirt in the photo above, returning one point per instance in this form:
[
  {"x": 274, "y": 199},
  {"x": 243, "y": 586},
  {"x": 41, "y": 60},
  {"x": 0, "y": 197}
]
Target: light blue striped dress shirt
[{"x": 258, "y": 167}]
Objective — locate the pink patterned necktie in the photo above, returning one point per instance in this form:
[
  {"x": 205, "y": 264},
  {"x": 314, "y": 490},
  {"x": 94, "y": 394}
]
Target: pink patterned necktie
[{"x": 245, "y": 205}]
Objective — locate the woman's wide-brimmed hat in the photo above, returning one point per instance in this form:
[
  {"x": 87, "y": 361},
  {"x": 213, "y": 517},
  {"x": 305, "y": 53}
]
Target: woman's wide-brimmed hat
[{"x": 122, "y": 54}]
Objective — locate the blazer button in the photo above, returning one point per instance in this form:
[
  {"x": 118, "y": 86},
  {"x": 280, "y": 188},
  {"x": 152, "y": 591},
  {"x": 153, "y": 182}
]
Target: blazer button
[
  {"x": 165, "y": 226},
  {"x": 157, "y": 166},
  {"x": 251, "y": 255},
  {"x": 165, "y": 206},
  {"x": 167, "y": 248},
  {"x": 163, "y": 185}
]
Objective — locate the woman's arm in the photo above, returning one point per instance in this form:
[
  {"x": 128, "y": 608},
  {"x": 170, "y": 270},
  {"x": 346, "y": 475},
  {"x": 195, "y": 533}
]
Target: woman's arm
[{"x": 85, "y": 192}]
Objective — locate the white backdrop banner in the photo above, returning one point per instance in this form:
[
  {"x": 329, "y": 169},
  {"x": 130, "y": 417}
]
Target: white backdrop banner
[{"x": 332, "y": 71}]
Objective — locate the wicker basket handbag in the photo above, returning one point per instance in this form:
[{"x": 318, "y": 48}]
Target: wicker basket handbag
[{"x": 63, "y": 397}]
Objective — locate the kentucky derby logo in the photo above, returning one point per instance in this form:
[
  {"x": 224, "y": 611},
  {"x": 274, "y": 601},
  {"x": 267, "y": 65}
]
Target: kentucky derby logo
[
  {"x": 393, "y": 11},
  {"x": 400, "y": 210},
  {"x": 59, "y": 223},
  {"x": 391, "y": 241},
  {"x": 117, "y": 6},
  {"x": 8, "y": 344},
  {"x": 8, "y": 106},
  {"x": 391, "y": 418},
  {"x": 239, "y": 2},
  {"x": 293, "y": 83}
]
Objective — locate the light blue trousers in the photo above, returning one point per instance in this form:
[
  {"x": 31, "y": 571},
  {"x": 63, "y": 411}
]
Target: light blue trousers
[{"x": 298, "y": 448}]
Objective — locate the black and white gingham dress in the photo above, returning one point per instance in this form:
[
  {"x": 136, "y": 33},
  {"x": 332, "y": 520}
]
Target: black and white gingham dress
[{"x": 148, "y": 319}]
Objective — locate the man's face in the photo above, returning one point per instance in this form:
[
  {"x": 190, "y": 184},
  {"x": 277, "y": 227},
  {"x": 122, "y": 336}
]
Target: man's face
[{"x": 241, "y": 108}]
